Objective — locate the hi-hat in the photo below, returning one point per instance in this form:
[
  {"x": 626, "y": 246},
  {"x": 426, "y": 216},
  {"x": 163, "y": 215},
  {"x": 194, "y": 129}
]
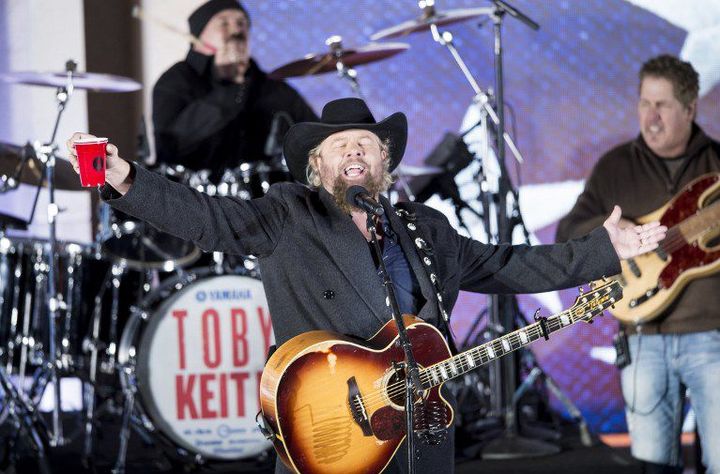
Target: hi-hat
[
  {"x": 431, "y": 16},
  {"x": 11, "y": 157},
  {"x": 81, "y": 80},
  {"x": 326, "y": 62}
]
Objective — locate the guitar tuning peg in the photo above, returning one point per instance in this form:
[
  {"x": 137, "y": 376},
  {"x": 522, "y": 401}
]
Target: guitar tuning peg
[
  {"x": 604, "y": 279},
  {"x": 536, "y": 316},
  {"x": 581, "y": 290}
]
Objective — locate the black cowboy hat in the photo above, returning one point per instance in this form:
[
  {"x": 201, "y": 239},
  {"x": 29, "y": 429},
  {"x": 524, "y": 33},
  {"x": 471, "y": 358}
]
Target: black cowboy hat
[{"x": 339, "y": 115}]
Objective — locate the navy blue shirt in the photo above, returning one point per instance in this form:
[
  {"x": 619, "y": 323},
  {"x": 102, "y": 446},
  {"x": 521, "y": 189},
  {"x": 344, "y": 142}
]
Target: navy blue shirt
[{"x": 407, "y": 287}]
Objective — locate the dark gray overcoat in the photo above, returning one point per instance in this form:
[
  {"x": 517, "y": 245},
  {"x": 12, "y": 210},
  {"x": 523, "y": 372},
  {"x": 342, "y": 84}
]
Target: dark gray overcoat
[{"x": 306, "y": 246}]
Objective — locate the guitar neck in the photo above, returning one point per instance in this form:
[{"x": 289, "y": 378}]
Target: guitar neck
[
  {"x": 697, "y": 224},
  {"x": 471, "y": 359}
]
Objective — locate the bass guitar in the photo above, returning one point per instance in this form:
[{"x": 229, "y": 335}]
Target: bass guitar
[
  {"x": 335, "y": 404},
  {"x": 690, "y": 250}
]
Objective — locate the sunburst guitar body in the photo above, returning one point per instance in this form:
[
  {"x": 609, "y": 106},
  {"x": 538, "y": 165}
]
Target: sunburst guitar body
[
  {"x": 335, "y": 404},
  {"x": 652, "y": 281}
]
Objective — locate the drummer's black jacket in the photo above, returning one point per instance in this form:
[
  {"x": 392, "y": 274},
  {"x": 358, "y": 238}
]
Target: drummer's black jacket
[
  {"x": 318, "y": 272},
  {"x": 202, "y": 122}
]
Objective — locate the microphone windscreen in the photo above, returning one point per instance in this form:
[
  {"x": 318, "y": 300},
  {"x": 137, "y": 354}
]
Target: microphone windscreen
[{"x": 352, "y": 193}]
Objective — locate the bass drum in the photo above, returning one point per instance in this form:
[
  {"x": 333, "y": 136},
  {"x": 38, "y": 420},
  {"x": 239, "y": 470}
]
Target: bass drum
[{"x": 197, "y": 350}]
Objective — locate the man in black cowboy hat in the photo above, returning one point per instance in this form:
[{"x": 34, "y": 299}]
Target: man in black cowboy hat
[
  {"x": 317, "y": 269},
  {"x": 216, "y": 108}
]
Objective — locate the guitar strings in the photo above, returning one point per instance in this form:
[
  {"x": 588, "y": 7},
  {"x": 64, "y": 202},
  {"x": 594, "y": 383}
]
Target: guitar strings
[
  {"x": 397, "y": 388},
  {"x": 675, "y": 239},
  {"x": 534, "y": 330}
]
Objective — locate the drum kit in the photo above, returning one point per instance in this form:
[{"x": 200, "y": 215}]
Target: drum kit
[{"x": 119, "y": 313}]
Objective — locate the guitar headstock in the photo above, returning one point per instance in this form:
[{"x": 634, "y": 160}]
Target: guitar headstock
[{"x": 601, "y": 296}]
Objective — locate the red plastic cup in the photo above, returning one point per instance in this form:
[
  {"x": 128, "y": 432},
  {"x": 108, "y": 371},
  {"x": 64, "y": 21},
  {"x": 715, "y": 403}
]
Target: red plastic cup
[{"x": 91, "y": 160}]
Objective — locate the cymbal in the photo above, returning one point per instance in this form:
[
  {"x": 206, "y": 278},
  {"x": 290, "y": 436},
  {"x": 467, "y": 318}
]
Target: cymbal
[
  {"x": 81, "y": 80},
  {"x": 321, "y": 63},
  {"x": 431, "y": 16},
  {"x": 66, "y": 179},
  {"x": 410, "y": 171}
]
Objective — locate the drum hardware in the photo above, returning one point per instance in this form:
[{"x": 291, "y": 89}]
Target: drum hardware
[
  {"x": 137, "y": 245},
  {"x": 431, "y": 19},
  {"x": 24, "y": 418},
  {"x": 46, "y": 299},
  {"x": 339, "y": 59},
  {"x": 80, "y": 80},
  {"x": 343, "y": 71},
  {"x": 21, "y": 165},
  {"x": 47, "y": 154}
]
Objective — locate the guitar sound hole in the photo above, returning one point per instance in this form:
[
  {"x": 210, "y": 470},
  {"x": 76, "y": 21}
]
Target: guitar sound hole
[{"x": 396, "y": 387}]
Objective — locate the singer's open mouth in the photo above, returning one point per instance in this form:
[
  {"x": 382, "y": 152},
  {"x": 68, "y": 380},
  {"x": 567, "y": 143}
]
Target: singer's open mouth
[{"x": 354, "y": 170}]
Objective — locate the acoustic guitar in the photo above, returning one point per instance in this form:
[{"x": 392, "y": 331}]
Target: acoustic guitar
[
  {"x": 690, "y": 250},
  {"x": 335, "y": 404}
]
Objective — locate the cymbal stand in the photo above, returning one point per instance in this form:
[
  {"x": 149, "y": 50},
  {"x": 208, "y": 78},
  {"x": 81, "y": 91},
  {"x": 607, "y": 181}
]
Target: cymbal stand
[
  {"x": 445, "y": 38},
  {"x": 24, "y": 418},
  {"x": 92, "y": 344},
  {"x": 46, "y": 153},
  {"x": 347, "y": 73}
]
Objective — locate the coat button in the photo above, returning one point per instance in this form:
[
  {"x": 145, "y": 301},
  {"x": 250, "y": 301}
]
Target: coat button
[{"x": 328, "y": 294}]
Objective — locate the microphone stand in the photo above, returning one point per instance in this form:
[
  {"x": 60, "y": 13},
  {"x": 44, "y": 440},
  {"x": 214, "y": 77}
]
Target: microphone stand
[
  {"x": 413, "y": 385},
  {"x": 510, "y": 445}
]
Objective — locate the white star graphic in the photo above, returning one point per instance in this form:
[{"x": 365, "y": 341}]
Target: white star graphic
[{"x": 701, "y": 19}]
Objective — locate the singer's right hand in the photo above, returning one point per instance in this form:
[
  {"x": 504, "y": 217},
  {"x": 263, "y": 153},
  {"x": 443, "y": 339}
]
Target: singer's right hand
[{"x": 117, "y": 170}]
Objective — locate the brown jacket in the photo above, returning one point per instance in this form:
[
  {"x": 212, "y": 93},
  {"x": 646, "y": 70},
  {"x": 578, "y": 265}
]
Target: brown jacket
[{"x": 633, "y": 177}]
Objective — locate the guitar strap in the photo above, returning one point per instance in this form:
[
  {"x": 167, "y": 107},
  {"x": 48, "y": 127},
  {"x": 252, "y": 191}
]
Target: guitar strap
[{"x": 427, "y": 256}]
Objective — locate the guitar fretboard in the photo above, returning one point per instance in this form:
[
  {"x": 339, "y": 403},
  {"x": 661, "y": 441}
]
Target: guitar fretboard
[
  {"x": 586, "y": 308},
  {"x": 697, "y": 224}
]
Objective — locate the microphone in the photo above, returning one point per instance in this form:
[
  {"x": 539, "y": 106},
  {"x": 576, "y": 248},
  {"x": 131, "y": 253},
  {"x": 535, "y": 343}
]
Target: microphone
[{"x": 359, "y": 197}]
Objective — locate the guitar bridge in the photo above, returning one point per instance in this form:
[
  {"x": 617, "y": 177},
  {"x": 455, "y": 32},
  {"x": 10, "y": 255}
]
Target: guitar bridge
[{"x": 357, "y": 407}]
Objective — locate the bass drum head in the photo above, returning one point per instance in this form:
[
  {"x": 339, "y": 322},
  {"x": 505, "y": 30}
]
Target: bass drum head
[{"x": 199, "y": 363}]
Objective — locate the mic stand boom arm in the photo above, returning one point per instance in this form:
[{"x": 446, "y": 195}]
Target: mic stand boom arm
[
  {"x": 445, "y": 38},
  {"x": 413, "y": 385}
]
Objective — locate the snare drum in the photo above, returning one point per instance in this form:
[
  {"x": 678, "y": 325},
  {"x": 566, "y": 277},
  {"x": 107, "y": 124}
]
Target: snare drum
[{"x": 195, "y": 352}]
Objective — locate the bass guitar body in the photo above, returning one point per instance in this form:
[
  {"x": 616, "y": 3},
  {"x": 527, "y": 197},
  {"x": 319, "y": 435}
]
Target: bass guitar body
[
  {"x": 652, "y": 281},
  {"x": 336, "y": 404}
]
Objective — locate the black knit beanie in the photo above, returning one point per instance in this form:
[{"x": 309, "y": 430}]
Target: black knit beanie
[{"x": 200, "y": 17}]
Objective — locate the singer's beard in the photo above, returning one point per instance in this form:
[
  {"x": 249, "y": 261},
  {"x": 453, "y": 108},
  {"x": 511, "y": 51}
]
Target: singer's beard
[{"x": 374, "y": 186}]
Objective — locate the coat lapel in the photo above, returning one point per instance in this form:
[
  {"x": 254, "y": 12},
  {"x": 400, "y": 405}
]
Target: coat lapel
[
  {"x": 428, "y": 310},
  {"x": 350, "y": 252}
]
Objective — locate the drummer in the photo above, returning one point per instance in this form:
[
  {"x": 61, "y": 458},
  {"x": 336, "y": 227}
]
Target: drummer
[{"x": 216, "y": 108}]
